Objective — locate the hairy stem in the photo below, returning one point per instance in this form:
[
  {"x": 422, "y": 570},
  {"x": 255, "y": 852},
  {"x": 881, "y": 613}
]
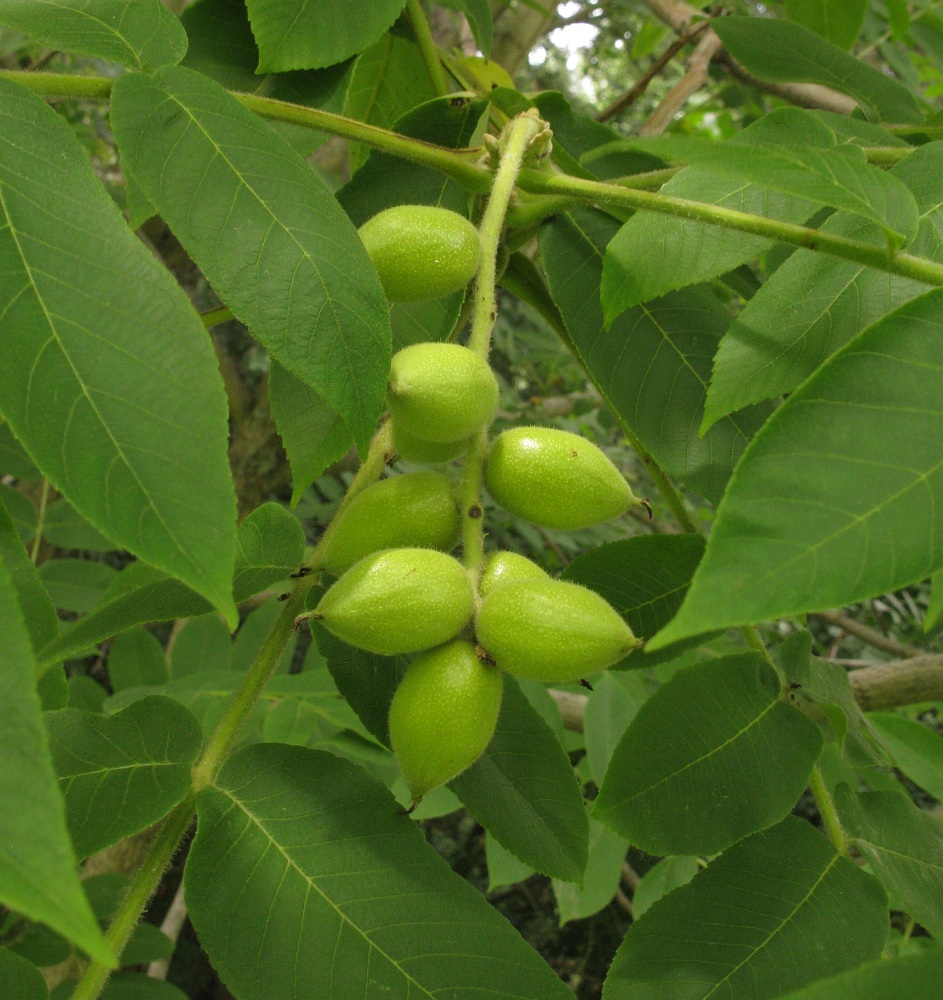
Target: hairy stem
[
  {"x": 459, "y": 166},
  {"x": 427, "y": 46},
  {"x": 40, "y": 520},
  {"x": 142, "y": 887},
  {"x": 826, "y": 807}
]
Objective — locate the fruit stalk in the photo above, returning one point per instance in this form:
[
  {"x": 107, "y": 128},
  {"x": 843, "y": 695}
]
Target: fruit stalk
[{"x": 515, "y": 140}]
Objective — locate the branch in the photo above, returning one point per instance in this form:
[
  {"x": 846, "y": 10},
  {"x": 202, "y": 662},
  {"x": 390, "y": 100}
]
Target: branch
[
  {"x": 678, "y": 16},
  {"x": 694, "y": 78},
  {"x": 871, "y": 636},
  {"x": 913, "y": 681},
  {"x": 171, "y": 925},
  {"x": 900, "y": 682},
  {"x": 641, "y": 85}
]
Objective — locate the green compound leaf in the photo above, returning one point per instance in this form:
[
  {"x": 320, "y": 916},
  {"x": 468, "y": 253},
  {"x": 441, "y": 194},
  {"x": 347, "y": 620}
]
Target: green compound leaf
[
  {"x": 837, "y": 21},
  {"x": 783, "y": 52},
  {"x": 110, "y": 381},
  {"x": 266, "y": 232},
  {"x": 37, "y": 867},
  {"x": 838, "y": 176},
  {"x": 576, "y": 901},
  {"x": 916, "y": 749},
  {"x": 714, "y": 755},
  {"x": 306, "y": 34},
  {"x": 304, "y": 871},
  {"x": 141, "y": 594},
  {"x": 897, "y": 978},
  {"x": 142, "y": 34},
  {"x": 312, "y": 433},
  {"x": 39, "y": 613},
  {"x": 771, "y": 914},
  {"x": 21, "y": 979},
  {"x": 813, "y": 305},
  {"x": 120, "y": 774},
  {"x": 825, "y": 508},
  {"x": 670, "y": 873},
  {"x": 653, "y": 364},
  {"x": 904, "y": 846},
  {"x": 653, "y": 254}
]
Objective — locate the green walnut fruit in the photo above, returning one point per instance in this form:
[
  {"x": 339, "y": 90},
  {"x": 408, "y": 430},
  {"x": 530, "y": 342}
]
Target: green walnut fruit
[
  {"x": 421, "y": 252},
  {"x": 441, "y": 392},
  {"x": 443, "y": 715},
  {"x": 415, "y": 449},
  {"x": 551, "y": 630},
  {"x": 416, "y": 510},
  {"x": 507, "y": 567},
  {"x": 398, "y": 601},
  {"x": 554, "y": 478}
]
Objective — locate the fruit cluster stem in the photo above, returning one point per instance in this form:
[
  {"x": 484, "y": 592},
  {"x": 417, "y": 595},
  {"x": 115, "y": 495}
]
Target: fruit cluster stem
[{"x": 515, "y": 140}]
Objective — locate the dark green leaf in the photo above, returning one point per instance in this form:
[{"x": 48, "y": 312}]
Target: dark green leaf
[
  {"x": 653, "y": 364},
  {"x": 669, "y": 874},
  {"x": 813, "y": 305},
  {"x": 76, "y": 584},
  {"x": 776, "y": 911},
  {"x": 21, "y": 979},
  {"x": 270, "y": 546},
  {"x": 312, "y": 434},
  {"x": 222, "y": 47},
  {"x": 202, "y": 644},
  {"x": 141, "y": 594},
  {"x": 909, "y": 976},
  {"x": 612, "y": 705},
  {"x": 916, "y": 749},
  {"x": 105, "y": 361},
  {"x": 21, "y": 511},
  {"x": 904, "y": 846},
  {"x": 825, "y": 509},
  {"x": 13, "y": 459},
  {"x": 303, "y": 871},
  {"x": 136, "y": 659},
  {"x": 645, "y": 579},
  {"x": 577, "y": 900},
  {"x": 142, "y": 34},
  {"x": 935, "y": 609},
  {"x": 714, "y": 755},
  {"x": 39, "y": 614},
  {"x": 837, "y": 21},
  {"x": 147, "y": 944},
  {"x": 654, "y": 254},
  {"x": 120, "y": 774},
  {"x": 523, "y": 791},
  {"x": 780, "y": 51},
  {"x": 85, "y": 693},
  {"x": 480, "y": 20},
  {"x": 37, "y": 867},
  {"x": 137, "y": 986},
  {"x": 265, "y": 231},
  {"x": 65, "y": 528},
  {"x": 306, "y": 34},
  {"x": 503, "y": 867}
]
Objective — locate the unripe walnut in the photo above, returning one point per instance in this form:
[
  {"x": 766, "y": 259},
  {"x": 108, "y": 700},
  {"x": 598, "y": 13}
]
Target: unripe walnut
[
  {"x": 551, "y": 630},
  {"x": 443, "y": 715},
  {"x": 420, "y": 251},
  {"x": 441, "y": 392},
  {"x": 415, "y": 449},
  {"x": 398, "y": 601},
  {"x": 507, "y": 567},
  {"x": 554, "y": 478},
  {"x": 416, "y": 510}
]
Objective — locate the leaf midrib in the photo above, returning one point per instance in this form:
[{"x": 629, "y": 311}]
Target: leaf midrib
[{"x": 257, "y": 821}]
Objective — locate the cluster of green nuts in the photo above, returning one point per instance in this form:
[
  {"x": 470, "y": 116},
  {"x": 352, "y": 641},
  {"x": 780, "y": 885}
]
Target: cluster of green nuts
[{"x": 399, "y": 590}]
